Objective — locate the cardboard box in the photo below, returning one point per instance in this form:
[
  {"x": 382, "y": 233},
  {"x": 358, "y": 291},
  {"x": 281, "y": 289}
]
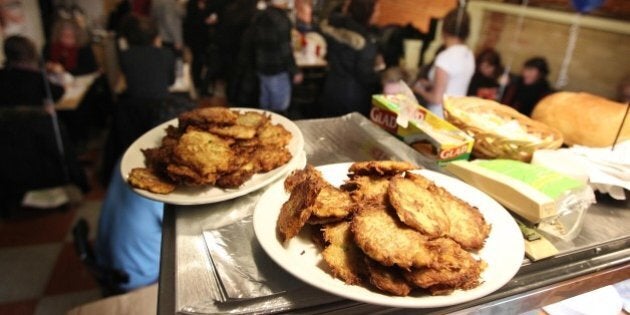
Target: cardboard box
[{"x": 415, "y": 125}]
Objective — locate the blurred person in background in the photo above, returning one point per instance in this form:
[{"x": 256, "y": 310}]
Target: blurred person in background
[
  {"x": 149, "y": 71},
  {"x": 273, "y": 56},
  {"x": 524, "y": 92},
  {"x": 69, "y": 49},
  {"x": 199, "y": 35},
  {"x": 30, "y": 156},
  {"x": 21, "y": 81},
  {"x": 352, "y": 59},
  {"x": 234, "y": 17},
  {"x": 168, "y": 16},
  {"x": 304, "y": 16},
  {"x": 485, "y": 82},
  {"x": 453, "y": 67},
  {"x": 129, "y": 234}
]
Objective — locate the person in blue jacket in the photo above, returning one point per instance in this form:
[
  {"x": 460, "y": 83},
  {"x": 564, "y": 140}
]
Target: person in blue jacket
[{"x": 130, "y": 234}]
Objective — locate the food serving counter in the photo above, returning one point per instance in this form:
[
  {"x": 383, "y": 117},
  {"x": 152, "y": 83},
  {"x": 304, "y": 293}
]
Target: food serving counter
[{"x": 599, "y": 256}]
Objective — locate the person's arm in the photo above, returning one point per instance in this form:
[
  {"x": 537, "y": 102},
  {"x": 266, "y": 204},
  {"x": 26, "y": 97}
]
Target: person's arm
[{"x": 436, "y": 93}]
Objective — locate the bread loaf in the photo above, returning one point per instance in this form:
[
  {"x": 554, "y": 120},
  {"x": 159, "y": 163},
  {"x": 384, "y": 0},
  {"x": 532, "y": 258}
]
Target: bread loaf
[{"x": 583, "y": 119}]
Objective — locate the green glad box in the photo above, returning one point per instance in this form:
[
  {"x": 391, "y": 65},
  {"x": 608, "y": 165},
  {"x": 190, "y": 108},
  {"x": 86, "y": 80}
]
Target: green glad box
[{"x": 430, "y": 135}]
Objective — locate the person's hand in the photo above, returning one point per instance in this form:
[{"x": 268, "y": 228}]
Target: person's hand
[
  {"x": 298, "y": 78},
  {"x": 420, "y": 86},
  {"x": 379, "y": 63},
  {"x": 212, "y": 19},
  {"x": 54, "y": 67}
]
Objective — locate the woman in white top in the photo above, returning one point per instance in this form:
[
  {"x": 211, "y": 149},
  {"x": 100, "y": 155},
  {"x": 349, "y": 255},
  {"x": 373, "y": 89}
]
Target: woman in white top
[{"x": 453, "y": 67}]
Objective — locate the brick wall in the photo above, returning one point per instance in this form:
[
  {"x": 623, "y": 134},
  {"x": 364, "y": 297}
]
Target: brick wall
[{"x": 599, "y": 61}]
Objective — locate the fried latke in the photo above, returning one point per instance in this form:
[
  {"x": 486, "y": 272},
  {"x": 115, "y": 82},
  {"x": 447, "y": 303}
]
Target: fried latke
[
  {"x": 235, "y": 131},
  {"x": 467, "y": 225},
  {"x": 331, "y": 204},
  {"x": 367, "y": 189},
  {"x": 417, "y": 206},
  {"x": 453, "y": 268},
  {"x": 238, "y": 177},
  {"x": 208, "y": 116},
  {"x": 380, "y": 168},
  {"x": 273, "y": 135},
  {"x": 296, "y": 211},
  {"x": 298, "y": 176},
  {"x": 267, "y": 158},
  {"x": 144, "y": 178},
  {"x": 388, "y": 279},
  {"x": 343, "y": 257},
  {"x": 251, "y": 119},
  {"x": 185, "y": 175},
  {"x": 381, "y": 236},
  {"x": 203, "y": 152}
]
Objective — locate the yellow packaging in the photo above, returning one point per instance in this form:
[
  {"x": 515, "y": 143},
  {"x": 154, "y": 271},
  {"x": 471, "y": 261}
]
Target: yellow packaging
[{"x": 415, "y": 125}]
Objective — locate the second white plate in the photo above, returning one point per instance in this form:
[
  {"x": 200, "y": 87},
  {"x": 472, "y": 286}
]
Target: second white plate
[{"x": 133, "y": 157}]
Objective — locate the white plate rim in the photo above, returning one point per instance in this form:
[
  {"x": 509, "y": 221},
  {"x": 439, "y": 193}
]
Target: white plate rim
[
  {"x": 133, "y": 157},
  {"x": 505, "y": 234}
]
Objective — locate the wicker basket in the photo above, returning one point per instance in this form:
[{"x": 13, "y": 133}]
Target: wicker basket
[{"x": 490, "y": 144}]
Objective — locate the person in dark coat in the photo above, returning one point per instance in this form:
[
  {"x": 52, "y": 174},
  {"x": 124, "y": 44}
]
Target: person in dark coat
[
  {"x": 30, "y": 157},
  {"x": 21, "y": 81},
  {"x": 201, "y": 35},
  {"x": 351, "y": 56},
  {"x": 531, "y": 86},
  {"x": 485, "y": 81},
  {"x": 149, "y": 71},
  {"x": 273, "y": 54}
]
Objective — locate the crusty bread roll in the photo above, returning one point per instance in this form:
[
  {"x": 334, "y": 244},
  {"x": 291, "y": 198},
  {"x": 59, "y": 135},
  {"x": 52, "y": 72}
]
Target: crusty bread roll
[{"x": 583, "y": 119}]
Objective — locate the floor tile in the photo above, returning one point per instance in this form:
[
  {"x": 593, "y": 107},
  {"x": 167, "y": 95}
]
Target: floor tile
[
  {"x": 90, "y": 211},
  {"x": 19, "y": 308},
  {"x": 69, "y": 274},
  {"x": 35, "y": 226},
  {"x": 26, "y": 271},
  {"x": 62, "y": 303}
]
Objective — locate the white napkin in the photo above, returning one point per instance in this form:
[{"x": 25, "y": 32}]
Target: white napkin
[{"x": 607, "y": 170}]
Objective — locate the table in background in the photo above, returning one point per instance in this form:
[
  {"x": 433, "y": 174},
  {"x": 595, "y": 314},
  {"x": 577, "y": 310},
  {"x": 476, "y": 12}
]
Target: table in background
[
  {"x": 75, "y": 91},
  {"x": 599, "y": 256}
]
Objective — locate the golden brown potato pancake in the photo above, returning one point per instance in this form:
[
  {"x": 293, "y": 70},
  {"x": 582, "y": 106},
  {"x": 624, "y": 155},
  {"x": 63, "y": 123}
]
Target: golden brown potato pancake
[
  {"x": 416, "y": 205},
  {"x": 343, "y": 257},
  {"x": 143, "y": 178},
  {"x": 298, "y": 176},
  {"x": 388, "y": 279},
  {"x": 453, "y": 268},
  {"x": 235, "y": 131},
  {"x": 204, "y": 117},
  {"x": 203, "y": 152},
  {"x": 296, "y": 211},
  {"x": 273, "y": 135},
  {"x": 467, "y": 225},
  {"x": 368, "y": 189},
  {"x": 381, "y": 168},
  {"x": 381, "y": 236},
  {"x": 331, "y": 204},
  {"x": 251, "y": 119},
  {"x": 267, "y": 158}
]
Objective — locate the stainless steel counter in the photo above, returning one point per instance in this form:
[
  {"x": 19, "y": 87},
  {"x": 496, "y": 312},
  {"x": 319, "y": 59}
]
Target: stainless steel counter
[{"x": 599, "y": 256}]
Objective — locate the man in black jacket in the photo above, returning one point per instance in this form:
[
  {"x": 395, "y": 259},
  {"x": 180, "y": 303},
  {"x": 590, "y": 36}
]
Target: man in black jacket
[{"x": 273, "y": 54}]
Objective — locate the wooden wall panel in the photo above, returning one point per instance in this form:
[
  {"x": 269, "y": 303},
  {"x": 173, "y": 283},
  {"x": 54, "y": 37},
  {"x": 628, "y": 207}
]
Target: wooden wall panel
[{"x": 416, "y": 12}]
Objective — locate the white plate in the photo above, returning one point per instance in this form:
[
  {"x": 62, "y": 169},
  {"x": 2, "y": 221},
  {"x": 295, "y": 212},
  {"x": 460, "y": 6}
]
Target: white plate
[
  {"x": 133, "y": 157},
  {"x": 503, "y": 251}
]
